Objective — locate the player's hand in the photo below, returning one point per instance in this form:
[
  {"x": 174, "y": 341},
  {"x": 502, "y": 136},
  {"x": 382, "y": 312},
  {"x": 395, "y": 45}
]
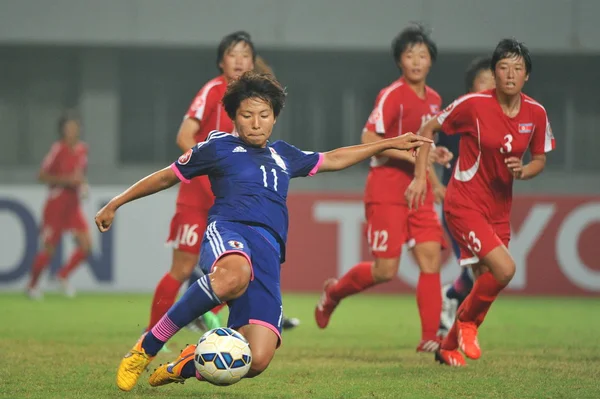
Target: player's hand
[
  {"x": 439, "y": 193},
  {"x": 408, "y": 141},
  {"x": 76, "y": 179},
  {"x": 415, "y": 193},
  {"x": 515, "y": 166},
  {"x": 104, "y": 217},
  {"x": 84, "y": 191},
  {"x": 441, "y": 155}
]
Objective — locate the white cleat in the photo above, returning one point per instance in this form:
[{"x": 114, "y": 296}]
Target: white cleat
[
  {"x": 66, "y": 288},
  {"x": 35, "y": 294},
  {"x": 449, "y": 308}
]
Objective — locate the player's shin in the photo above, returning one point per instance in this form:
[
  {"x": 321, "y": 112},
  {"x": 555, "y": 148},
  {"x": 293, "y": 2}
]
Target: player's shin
[{"x": 197, "y": 300}]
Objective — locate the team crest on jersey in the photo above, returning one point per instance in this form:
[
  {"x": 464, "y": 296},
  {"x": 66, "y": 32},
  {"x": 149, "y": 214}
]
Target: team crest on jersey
[
  {"x": 235, "y": 244},
  {"x": 185, "y": 158},
  {"x": 434, "y": 108},
  {"x": 525, "y": 128},
  {"x": 278, "y": 159}
]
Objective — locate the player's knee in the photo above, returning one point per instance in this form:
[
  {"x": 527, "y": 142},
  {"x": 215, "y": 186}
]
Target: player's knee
[
  {"x": 231, "y": 277},
  {"x": 385, "y": 270},
  {"x": 260, "y": 362},
  {"x": 505, "y": 274}
]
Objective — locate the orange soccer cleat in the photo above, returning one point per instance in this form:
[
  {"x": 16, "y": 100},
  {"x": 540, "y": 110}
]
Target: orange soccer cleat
[
  {"x": 326, "y": 305},
  {"x": 467, "y": 339}
]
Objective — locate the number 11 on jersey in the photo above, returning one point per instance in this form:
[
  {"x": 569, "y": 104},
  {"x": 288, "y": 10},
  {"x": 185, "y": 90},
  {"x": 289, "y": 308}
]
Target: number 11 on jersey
[{"x": 265, "y": 174}]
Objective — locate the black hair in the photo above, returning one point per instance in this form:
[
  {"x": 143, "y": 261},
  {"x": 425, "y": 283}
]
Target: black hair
[
  {"x": 414, "y": 34},
  {"x": 231, "y": 40},
  {"x": 511, "y": 48},
  {"x": 254, "y": 85},
  {"x": 67, "y": 116},
  {"x": 475, "y": 67}
]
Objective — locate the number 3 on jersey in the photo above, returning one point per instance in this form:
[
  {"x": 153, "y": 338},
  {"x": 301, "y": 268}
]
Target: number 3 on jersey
[
  {"x": 266, "y": 175},
  {"x": 507, "y": 146}
]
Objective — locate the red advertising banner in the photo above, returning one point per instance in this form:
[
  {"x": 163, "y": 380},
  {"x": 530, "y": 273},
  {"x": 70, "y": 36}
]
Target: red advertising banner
[{"x": 555, "y": 243}]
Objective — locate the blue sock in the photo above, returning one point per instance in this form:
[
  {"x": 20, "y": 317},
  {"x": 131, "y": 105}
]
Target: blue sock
[
  {"x": 462, "y": 286},
  {"x": 196, "y": 301},
  {"x": 196, "y": 274},
  {"x": 189, "y": 369}
]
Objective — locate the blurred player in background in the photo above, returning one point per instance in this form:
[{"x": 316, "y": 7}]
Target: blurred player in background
[
  {"x": 403, "y": 106},
  {"x": 497, "y": 126},
  {"x": 63, "y": 170},
  {"x": 478, "y": 77},
  {"x": 245, "y": 243}
]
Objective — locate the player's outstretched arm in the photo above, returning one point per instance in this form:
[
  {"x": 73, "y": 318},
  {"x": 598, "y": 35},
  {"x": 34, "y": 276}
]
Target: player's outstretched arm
[
  {"x": 342, "y": 158},
  {"x": 149, "y": 185},
  {"x": 415, "y": 193}
]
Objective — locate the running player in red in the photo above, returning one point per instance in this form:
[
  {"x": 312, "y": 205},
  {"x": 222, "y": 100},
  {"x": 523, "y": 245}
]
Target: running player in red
[
  {"x": 478, "y": 77},
  {"x": 63, "y": 170},
  {"x": 235, "y": 55},
  {"x": 401, "y": 107},
  {"x": 498, "y": 126}
]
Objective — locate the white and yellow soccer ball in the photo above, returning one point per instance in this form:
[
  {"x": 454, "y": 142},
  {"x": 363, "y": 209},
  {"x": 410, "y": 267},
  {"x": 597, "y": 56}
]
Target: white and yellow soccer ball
[{"x": 223, "y": 356}]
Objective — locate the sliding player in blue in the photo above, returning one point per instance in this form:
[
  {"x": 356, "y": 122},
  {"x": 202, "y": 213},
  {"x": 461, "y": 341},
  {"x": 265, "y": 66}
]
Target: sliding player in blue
[{"x": 244, "y": 244}]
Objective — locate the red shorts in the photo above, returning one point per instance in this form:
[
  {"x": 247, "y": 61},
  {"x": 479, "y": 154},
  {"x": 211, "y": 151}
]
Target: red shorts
[
  {"x": 187, "y": 228},
  {"x": 60, "y": 217},
  {"x": 389, "y": 226},
  {"x": 476, "y": 235}
]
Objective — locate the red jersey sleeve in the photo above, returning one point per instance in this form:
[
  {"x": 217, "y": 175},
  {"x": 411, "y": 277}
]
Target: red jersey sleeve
[
  {"x": 543, "y": 139},
  {"x": 51, "y": 158},
  {"x": 205, "y": 101},
  {"x": 457, "y": 117},
  {"x": 385, "y": 113}
]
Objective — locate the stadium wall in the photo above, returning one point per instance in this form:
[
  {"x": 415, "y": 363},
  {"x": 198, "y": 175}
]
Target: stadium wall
[
  {"x": 552, "y": 25},
  {"x": 554, "y": 243}
]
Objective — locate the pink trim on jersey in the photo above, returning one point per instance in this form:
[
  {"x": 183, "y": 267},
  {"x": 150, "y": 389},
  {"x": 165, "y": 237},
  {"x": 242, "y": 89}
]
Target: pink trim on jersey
[
  {"x": 269, "y": 326},
  {"x": 379, "y": 123},
  {"x": 164, "y": 329},
  {"x": 314, "y": 170},
  {"x": 235, "y": 251},
  {"x": 178, "y": 173}
]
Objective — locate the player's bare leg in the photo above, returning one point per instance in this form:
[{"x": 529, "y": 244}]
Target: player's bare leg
[
  {"x": 39, "y": 264},
  {"x": 429, "y": 296},
  {"x": 84, "y": 244},
  {"x": 357, "y": 279}
]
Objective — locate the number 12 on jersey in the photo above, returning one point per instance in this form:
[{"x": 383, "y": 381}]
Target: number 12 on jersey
[{"x": 265, "y": 176}]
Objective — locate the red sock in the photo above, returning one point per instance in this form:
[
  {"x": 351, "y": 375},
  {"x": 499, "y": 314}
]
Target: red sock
[
  {"x": 164, "y": 297},
  {"x": 450, "y": 343},
  {"x": 429, "y": 302},
  {"x": 218, "y": 308},
  {"x": 485, "y": 290},
  {"x": 358, "y": 279},
  {"x": 39, "y": 264},
  {"x": 77, "y": 257}
]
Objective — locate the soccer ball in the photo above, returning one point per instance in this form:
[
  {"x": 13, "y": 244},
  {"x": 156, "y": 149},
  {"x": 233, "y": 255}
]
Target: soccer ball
[{"x": 223, "y": 356}]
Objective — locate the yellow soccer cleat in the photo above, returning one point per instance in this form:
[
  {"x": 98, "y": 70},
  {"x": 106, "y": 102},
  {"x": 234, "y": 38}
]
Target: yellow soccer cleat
[
  {"x": 171, "y": 372},
  {"x": 132, "y": 366}
]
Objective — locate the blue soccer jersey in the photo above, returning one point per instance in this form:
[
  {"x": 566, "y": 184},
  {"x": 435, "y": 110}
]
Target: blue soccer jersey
[{"x": 250, "y": 184}]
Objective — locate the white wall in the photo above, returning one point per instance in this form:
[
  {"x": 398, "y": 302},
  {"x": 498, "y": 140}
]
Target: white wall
[{"x": 549, "y": 25}]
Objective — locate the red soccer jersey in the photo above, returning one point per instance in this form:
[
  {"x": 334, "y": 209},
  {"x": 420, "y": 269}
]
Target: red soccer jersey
[
  {"x": 64, "y": 161},
  {"x": 481, "y": 179},
  {"x": 208, "y": 109},
  {"x": 398, "y": 110}
]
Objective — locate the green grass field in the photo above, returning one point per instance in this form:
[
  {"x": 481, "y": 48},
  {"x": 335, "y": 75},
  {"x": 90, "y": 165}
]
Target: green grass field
[{"x": 532, "y": 348}]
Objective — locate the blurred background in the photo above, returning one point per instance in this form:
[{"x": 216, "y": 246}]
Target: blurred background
[{"x": 131, "y": 68}]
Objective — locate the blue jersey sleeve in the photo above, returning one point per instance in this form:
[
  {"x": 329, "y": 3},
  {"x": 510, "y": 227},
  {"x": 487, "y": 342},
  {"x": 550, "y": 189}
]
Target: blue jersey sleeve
[
  {"x": 300, "y": 163},
  {"x": 202, "y": 159}
]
